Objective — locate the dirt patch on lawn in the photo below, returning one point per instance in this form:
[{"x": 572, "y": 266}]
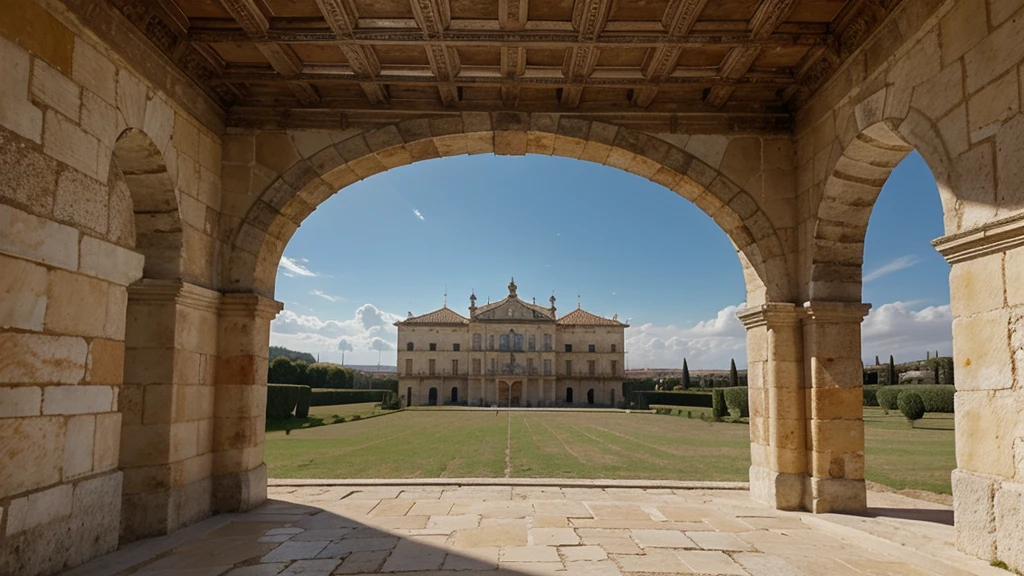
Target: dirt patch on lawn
[{"x": 933, "y": 497}]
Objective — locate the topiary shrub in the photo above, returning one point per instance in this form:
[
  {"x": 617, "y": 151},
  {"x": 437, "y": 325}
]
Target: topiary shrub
[
  {"x": 281, "y": 400},
  {"x": 302, "y": 404},
  {"x": 911, "y": 405},
  {"x": 737, "y": 402},
  {"x": 870, "y": 398},
  {"x": 887, "y": 397},
  {"x": 938, "y": 398},
  {"x": 719, "y": 409}
]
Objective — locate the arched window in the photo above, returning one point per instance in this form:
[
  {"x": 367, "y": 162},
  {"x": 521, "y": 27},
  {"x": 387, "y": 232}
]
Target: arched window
[
  {"x": 409, "y": 346},
  {"x": 568, "y": 395},
  {"x": 455, "y": 394},
  {"x": 590, "y": 396},
  {"x": 432, "y": 397}
]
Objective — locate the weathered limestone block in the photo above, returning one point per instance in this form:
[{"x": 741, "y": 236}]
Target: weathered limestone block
[
  {"x": 65, "y": 313},
  {"x": 78, "y": 399},
  {"x": 131, "y": 98},
  {"x": 34, "y": 457},
  {"x": 23, "y": 288},
  {"x": 94, "y": 71},
  {"x": 982, "y": 353},
  {"x": 53, "y": 89},
  {"x": 42, "y": 358},
  {"x": 1009, "y": 143},
  {"x": 1009, "y": 513},
  {"x": 66, "y": 142},
  {"x": 16, "y": 112},
  {"x": 988, "y": 419},
  {"x": 78, "y": 446},
  {"x": 974, "y": 513},
  {"x": 991, "y": 106},
  {"x": 20, "y": 401},
  {"x": 998, "y": 52}
]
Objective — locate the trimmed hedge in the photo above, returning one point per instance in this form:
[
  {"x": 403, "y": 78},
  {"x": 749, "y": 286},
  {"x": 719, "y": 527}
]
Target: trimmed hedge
[
  {"x": 302, "y": 406},
  {"x": 718, "y": 408},
  {"x": 330, "y": 397},
  {"x": 673, "y": 398},
  {"x": 870, "y": 395},
  {"x": 937, "y": 398},
  {"x": 281, "y": 400},
  {"x": 737, "y": 401}
]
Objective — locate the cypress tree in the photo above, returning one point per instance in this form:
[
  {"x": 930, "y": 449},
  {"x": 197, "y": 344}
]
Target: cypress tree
[
  {"x": 734, "y": 378},
  {"x": 876, "y": 360},
  {"x": 936, "y": 370},
  {"x": 892, "y": 371},
  {"x": 686, "y": 376}
]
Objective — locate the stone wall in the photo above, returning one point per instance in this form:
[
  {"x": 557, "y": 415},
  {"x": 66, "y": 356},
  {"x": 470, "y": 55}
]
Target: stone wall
[{"x": 98, "y": 170}]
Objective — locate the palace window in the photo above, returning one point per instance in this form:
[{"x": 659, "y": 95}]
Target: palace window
[
  {"x": 408, "y": 366},
  {"x": 568, "y": 347},
  {"x": 547, "y": 367},
  {"x": 614, "y": 348},
  {"x": 409, "y": 346},
  {"x": 568, "y": 367},
  {"x": 591, "y": 367},
  {"x": 431, "y": 367},
  {"x": 518, "y": 342},
  {"x": 456, "y": 347},
  {"x": 490, "y": 342},
  {"x": 547, "y": 343},
  {"x": 529, "y": 365},
  {"x": 591, "y": 348},
  {"x": 477, "y": 342},
  {"x": 433, "y": 346},
  {"x": 455, "y": 367},
  {"x": 532, "y": 343},
  {"x": 476, "y": 366},
  {"x": 615, "y": 367},
  {"x": 503, "y": 342},
  {"x": 494, "y": 366}
]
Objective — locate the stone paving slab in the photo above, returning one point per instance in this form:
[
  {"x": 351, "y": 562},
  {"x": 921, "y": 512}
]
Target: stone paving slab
[{"x": 493, "y": 529}]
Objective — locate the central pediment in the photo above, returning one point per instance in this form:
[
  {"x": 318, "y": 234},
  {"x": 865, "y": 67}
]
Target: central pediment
[{"x": 512, "y": 308}]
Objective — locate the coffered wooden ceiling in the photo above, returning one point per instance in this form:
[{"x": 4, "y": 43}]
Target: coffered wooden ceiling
[{"x": 745, "y": 63}]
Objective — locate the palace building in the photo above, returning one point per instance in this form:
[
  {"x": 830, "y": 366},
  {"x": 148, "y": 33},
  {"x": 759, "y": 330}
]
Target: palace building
[{"x": 510, "y": 353}]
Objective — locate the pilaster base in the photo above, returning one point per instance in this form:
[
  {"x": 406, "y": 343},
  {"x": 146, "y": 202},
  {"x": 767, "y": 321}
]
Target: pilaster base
[
  {"x": 150, "y": 514},
  {"x": 240, "y": 491},
  {"x": 777, "y": 490},
  {"x": 823, "y": 495}
]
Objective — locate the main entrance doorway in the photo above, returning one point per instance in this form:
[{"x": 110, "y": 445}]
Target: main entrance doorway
[{"x": 510, "y": 393}]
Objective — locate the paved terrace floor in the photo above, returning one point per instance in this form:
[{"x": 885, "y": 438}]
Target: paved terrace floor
[{"x": 589, "y": 528}]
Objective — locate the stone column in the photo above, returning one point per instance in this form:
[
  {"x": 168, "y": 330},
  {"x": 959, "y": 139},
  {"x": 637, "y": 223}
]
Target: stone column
[
  {"x": 167, "y": 406},
  {"x": 239, "y": 474},
  {"x": 987, "y": 300},
  {"x": 834, "y": 372},
  {"x": 775, "y": 379}
]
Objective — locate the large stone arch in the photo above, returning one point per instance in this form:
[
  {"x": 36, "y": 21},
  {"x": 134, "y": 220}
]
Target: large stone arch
[{"x": 277, "y": 213}]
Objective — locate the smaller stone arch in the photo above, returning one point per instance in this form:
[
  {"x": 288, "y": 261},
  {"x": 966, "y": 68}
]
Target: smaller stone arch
[
  {"x": 851, "y": 190},
  {"x": 157, "y": 221}
]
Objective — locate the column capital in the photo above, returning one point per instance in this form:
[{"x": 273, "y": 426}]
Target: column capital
[
  {"x": 770, "y": 314},
  {"x": 823, "y": 311},
  {"x": 176, "y": 291},
  {"x": 249, "y": 304}
]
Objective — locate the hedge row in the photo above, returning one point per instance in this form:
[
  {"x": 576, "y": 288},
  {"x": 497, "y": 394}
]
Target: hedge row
[
  {"x": 938, "y": 398},
  {"x": 282, "y": 399},
  {"x": 330, "y": 397},
  {"x": 673, "y": 398},
  {"x": 738, "y": 402}
]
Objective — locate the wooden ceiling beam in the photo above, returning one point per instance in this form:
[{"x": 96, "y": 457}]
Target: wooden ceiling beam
[
  {"x": 342, "y": 17},
  {"x": 512, "y": 15},
  {"x": 589, "y": 17},
  {"x": 768, "y": 16},
  {"x": 659, "y": 62},
  {"x": 433, "y": 17}
]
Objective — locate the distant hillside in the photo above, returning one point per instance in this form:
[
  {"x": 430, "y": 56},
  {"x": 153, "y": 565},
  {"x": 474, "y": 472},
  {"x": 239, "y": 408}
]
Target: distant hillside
[{"x": 306, "y": 357}]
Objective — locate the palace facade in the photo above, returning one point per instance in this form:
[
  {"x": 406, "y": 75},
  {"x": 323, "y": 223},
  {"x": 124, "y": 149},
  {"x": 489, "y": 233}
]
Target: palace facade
[{"x": 510, "y": 353}]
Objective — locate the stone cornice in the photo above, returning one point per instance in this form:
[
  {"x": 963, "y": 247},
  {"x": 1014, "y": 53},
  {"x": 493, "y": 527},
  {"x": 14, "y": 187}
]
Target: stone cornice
[
  {"x": 991, "y": 238},
  {"x": 834, "y": 312},
  {"x": 771, "y": 314},
  {"x": 177, "y": 292},
  {"x": 247, "y": 304}
]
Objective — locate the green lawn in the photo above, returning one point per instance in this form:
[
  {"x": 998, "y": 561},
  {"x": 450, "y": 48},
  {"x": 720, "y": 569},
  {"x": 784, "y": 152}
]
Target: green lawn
[{"x": 439, "y": 444}]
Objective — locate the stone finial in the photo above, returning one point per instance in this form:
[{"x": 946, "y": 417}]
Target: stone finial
[
  {"x": 512, "y": 288},
  {"x": 552, "y": 299},
  {"x": 472, "y": 303},
  {"x": 409, "y": 314},
  {"x": 615, "y": 317}
]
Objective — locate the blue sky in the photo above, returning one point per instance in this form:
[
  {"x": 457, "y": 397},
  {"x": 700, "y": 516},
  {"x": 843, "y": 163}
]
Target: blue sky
[{"x": 393, "y": 243}]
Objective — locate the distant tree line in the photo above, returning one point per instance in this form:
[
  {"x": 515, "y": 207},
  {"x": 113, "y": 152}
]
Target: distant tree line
[
  {"x": 887, "y": 374},
  {"x": 278, "y": 351},
  {"x": 283, "y": 370}
]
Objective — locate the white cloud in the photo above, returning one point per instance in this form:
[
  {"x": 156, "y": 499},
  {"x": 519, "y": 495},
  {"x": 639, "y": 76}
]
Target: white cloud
[
  {"x": 368, "y": 330},
  {"x": 710, "y": 344},
  {"x": 897, "y": 329},
  {"x": 893, "y": 266},
  {"x": 326, "y": 296},
  {"x": 417, "y": 213},
  {"x": 296, "y": 266}
]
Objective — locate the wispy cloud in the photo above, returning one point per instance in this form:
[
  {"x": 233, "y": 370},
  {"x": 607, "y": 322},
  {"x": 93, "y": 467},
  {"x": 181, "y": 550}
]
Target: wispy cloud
[
  {"x": 417, "y": 213},
  {"x": 326, "y": 296},
  {"x": 296, "y": 266},
  {"x": 893, "y": 266}
]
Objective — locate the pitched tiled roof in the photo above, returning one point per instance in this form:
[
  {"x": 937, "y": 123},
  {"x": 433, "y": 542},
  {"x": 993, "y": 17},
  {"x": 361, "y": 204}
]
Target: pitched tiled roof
[
  {"x": 443, "y": 316},
  {"x": 580, "y": 317}
]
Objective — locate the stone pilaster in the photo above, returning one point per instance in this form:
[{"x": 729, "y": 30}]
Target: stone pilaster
[
  {"x": 166, "y": 404},
  {"x": 239, "y": 474},
  {"x": 777, "y": 411},
  {"x": 833, "y": 371}
]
